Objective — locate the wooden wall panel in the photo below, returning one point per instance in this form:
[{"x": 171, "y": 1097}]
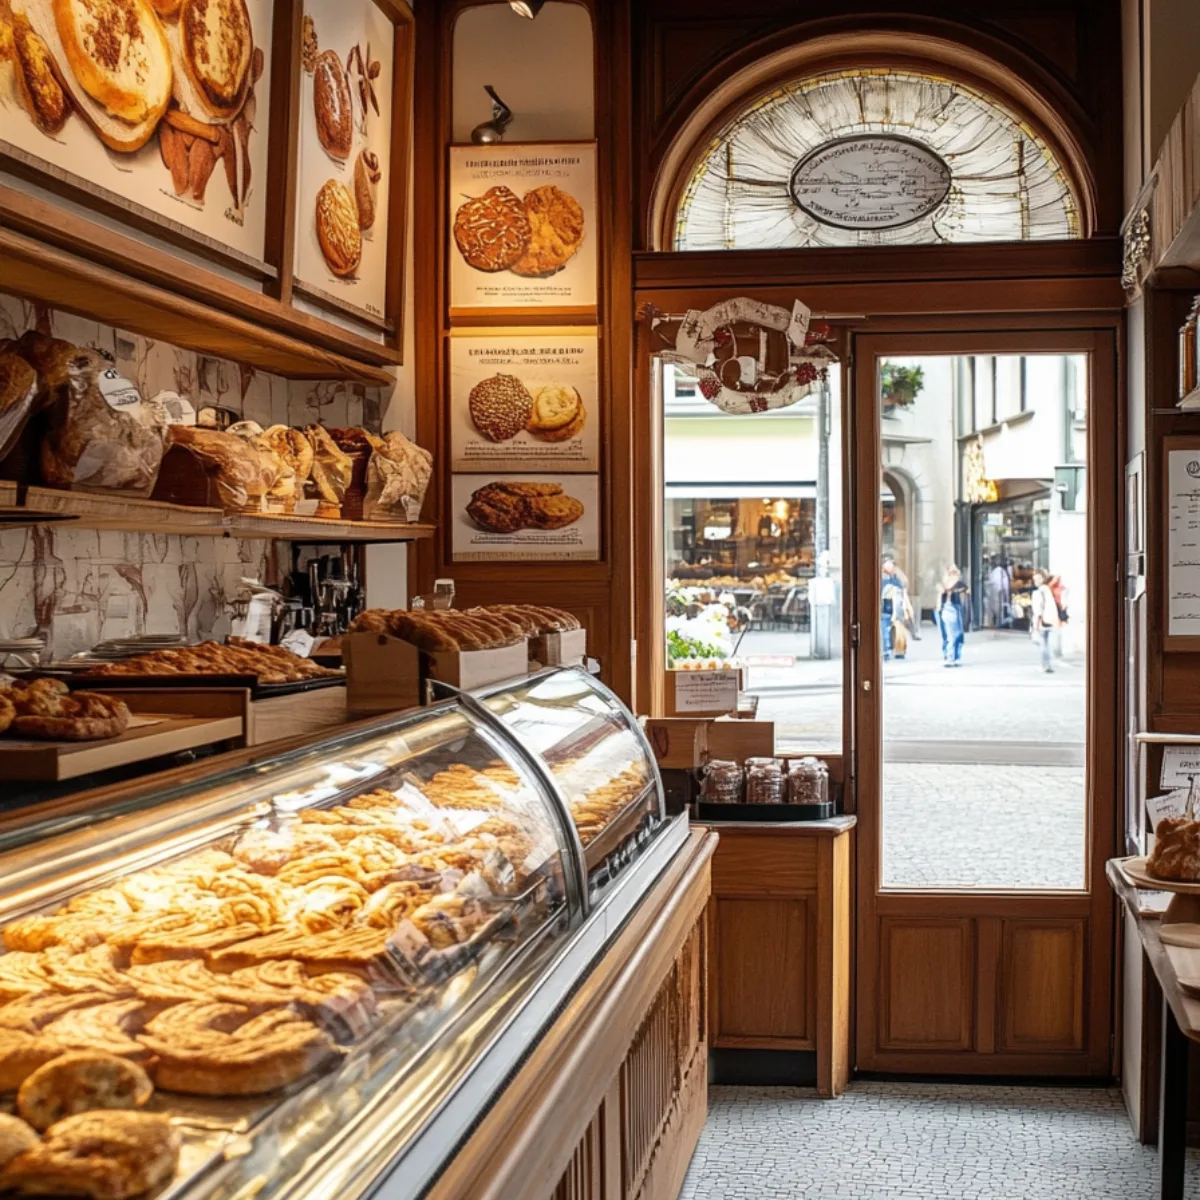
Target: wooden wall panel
[
  {"x": 763, "y": 959},
  {"x": 584, "y": 1177},
  {"x": 1042, "y": 985},
  {"x": 759, "y": 865},
  {"x": 926, "y": 984}
]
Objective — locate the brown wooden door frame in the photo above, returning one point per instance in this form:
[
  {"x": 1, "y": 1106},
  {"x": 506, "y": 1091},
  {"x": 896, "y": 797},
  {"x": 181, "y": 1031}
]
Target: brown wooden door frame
[{"x": 991, "y": 932}]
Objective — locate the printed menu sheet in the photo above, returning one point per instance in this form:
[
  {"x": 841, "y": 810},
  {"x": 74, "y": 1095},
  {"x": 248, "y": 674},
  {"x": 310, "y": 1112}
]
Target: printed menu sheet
[
  {"x": 523, "y": 226},
  {"x": 1183, "y": 543},
  {"x": 525, "y": 403},
  {"x": 505, "y": 516}
]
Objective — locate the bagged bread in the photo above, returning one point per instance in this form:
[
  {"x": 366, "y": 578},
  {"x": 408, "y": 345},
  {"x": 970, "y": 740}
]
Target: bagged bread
[
  {"x": 397, "y": 477},
  {"x": 295, "y": 449},
  {"x": 282, "y": 496},
  {"x": 101, "y": 435},
  {"x": 331, "y": 471},
  {"x": 243, "y": 473},
  {"x": 18, "y": 395}
]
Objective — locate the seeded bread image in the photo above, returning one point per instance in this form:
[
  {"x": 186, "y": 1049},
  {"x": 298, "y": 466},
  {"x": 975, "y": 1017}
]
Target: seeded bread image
[{"x": 500, "y": 407}]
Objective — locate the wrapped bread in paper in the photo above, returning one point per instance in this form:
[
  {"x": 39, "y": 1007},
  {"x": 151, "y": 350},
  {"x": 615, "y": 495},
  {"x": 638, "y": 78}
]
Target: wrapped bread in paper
[
  {"x": 102, "y": 436},
  {"x": 295, "y": 449},
  {"x": 284, "y": 491},
  {"x": 397, "y": 477},
  {"x": 243, "y": 473},
  {"x": 331, "y": 471}
]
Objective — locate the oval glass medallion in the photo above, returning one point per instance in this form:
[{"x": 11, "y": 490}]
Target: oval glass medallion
[{"x": 870, "y": 181}]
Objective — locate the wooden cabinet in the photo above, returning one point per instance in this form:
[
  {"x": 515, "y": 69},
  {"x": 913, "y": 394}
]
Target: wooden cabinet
[
  {"x": 611, "y": 1101},
  {"x": 780, "y": 942}
]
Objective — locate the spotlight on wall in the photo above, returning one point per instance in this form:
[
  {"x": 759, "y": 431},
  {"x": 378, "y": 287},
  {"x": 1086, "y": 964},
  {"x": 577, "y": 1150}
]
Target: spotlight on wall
[
  {"x": 490, "y": 132},
  {"x": 526, "y": 8}
]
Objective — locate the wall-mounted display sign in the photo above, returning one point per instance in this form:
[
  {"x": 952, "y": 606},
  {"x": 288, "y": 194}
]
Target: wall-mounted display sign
[
  {"x": 870, "y": 181},
  {"x": 523, "y": 228},
  {"x": 345, "y": 156},
  {"x": 513, "y": 517},
  {"x": 157, "y": 112},
  {"x": 527, "y": 403},
  {"x": 1182, "y": 525}
]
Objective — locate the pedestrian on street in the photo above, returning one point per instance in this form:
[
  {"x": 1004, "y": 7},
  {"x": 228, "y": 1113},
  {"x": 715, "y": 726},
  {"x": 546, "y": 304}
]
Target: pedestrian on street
[
  {"x": 1045, "y": 619},
  {"x": 951, "y": 610},
  {"x": 891, "y": 600},
  {"x": 997, "y": 594}
]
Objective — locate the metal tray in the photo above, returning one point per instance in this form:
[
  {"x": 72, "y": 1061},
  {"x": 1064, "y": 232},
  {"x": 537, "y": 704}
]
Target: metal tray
[
  {"x": 778, "y": 813},
  {"x": 258, "y": 691}
]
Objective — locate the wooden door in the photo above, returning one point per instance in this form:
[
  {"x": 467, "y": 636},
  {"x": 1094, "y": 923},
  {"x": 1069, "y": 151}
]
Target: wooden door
[{"x": 985, "y": 980}]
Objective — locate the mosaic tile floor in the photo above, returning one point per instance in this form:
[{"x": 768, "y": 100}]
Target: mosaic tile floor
[{"x": 894, "y": 1141}]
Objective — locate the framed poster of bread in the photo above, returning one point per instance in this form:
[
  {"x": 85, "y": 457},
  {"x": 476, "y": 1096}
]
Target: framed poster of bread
[
  {"x": 525, "y": 402},
  {"x": 509, "y": 517},
  {"x": 349, "y": 217},
  {"x": 155, "y": 111},
  {"x": 523, "y": 229}
]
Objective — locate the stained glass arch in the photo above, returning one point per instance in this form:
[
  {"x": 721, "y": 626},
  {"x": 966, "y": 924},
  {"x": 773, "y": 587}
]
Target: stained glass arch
[{"x": 874, "y": 157}]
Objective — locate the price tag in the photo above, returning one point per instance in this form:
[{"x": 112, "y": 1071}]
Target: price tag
[
  {"x": 706, "y": 691},
  {"x": 300, "y": 642},
  {"x": 1172, "y": 804},
  {"x": 118, "y": 391},
  {"x": 1179, "y": 765}
]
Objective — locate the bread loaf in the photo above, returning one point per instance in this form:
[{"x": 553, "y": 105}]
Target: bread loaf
[{"x": 243, "y": 473}]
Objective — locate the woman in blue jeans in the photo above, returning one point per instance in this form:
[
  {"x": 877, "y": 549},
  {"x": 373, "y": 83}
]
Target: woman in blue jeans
[{"x": 951, "y": 613}]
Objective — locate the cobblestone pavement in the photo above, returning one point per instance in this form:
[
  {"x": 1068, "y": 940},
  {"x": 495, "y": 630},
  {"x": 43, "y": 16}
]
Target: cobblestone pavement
[
  {"x": 890, "y": 1141},
  {"x": 983, "y": 770}
]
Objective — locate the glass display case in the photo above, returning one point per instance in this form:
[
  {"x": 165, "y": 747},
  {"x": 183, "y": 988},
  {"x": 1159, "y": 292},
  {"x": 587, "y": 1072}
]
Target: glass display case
[{"x": 311, "y": 956}]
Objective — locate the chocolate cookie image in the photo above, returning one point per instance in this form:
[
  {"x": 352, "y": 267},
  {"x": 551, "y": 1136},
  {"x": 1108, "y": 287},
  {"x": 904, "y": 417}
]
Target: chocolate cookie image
[
  {"x": 508, "y": 507},
  {"x": 554, "y": 512},
  {"x": 492, "y": 231},
  {"x": 555, "y": 231},
  {"x": 500, "y": 407}
]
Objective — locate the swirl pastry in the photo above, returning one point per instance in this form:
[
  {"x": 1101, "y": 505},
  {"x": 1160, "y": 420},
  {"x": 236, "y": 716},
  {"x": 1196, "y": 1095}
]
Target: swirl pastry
[
  {"x": 105, "y": 1027},
  {"x": 21, "y": 1054},
  {"x": 23, "y": 974},
  {"x": 94, "y": 970},
  {"x": 329, "y": 902},
  {"x": 30, "y": 1014}
]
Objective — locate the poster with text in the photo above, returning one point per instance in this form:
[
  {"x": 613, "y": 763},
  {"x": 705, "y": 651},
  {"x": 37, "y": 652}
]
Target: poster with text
[
  {"x": 527, "y": 403},
  {"x": 513, "y": 517},
  {"x": 345, "y": 155},
  {"x": 166, "y": 123},
  {"x": 523, "y": 227}
]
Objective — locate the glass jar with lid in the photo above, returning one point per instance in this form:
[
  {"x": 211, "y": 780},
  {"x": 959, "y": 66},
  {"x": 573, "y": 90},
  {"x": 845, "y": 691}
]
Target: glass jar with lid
[{"x": 808, "y": 781}]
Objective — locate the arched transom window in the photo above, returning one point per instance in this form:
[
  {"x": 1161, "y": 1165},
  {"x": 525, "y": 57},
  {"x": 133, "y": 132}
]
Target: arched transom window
[{"x": 874, "y": 157}]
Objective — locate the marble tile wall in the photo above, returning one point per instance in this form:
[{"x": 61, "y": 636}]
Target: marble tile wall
[{"x": 78, "y": 587}]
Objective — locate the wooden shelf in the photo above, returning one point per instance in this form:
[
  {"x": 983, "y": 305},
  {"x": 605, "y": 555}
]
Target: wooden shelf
[
  {"x": 34, "y": 270},
  {"x": 84, "y": 510}
]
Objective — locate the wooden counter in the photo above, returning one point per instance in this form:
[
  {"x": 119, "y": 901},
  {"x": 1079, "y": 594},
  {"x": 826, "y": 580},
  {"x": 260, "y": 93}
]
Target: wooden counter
[
  {"x": 780, "y": 942},
  {"x": 610, "y": 1103}
]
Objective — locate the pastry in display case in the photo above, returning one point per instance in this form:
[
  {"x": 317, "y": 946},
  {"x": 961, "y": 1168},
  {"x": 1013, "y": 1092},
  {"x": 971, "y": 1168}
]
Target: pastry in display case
[
  {"x": 275, "y": 978},
  {"x": 598, "y": 756}
]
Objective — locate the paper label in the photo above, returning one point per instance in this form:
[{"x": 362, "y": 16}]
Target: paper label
[
  {"x": 300, "y": 642},
  {"x": 1179, "y": 765},
  {"x": 412, "y": 508},
  {"x": 1172, "y": 804},
  {"x": 256, "y": 625},
  {"x": 706, "y": 691},
  {"x": 119, "y": 392}
]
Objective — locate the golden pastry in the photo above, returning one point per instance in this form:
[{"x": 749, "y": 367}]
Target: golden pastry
[
  {"x": 21, "y": 1054},
  {"x": 556, "y": 231},
  {"x": 39, "y": 85},
  {"x": 15, "y": 1138},
  {"x": 81, "y": 1082},
  {"x": 22, "y": 974},
  {"x": 31, "y": 1014},
  {"x": 565, "y": 432},
  {"x": 337, "y": 229},
  {"x": 102, "y": 1155},
  {"x": 554, "y": 406},
  {"x": 106, "y": 1027},
  {"x": 216, "y": 43}
]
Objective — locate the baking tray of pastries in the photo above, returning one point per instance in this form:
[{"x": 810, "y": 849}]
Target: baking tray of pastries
[{"x": 258, "y": 689}]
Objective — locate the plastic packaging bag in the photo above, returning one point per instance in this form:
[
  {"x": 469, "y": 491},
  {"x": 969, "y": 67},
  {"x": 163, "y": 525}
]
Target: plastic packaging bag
[
  {"x": 282, "y": 495},
  {"x": 242, "y": 474},
  {"x": 101, "y": 435},
  {"x": 331, "y": 471},
  {"x": 397, "y": 478}
]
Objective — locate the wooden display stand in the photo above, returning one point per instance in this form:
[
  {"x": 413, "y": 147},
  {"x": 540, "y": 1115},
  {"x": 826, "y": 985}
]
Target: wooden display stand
[
  {"x": 781, "y": 941},
  {"x": 611, "y": 1102}
]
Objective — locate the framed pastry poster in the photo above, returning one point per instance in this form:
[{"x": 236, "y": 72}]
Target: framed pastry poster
[
  {"x": 153, "y": 110},
  {"x": 523, "y": 227},
  {"x": 528, "y": 403},
  {"x": 515, "y": 517},
  {"x": 344, "y": 183}
]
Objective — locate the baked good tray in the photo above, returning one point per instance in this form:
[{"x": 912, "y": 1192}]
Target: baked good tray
[
  {"x": 620, "y": 829},
  {"x": 258, "y": 691},
  {"x": 776, "y": 813}
]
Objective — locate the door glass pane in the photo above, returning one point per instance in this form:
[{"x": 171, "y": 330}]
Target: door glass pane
[
  {"x": 983, "y": 623},
  {"x": 753, "y": 544}
]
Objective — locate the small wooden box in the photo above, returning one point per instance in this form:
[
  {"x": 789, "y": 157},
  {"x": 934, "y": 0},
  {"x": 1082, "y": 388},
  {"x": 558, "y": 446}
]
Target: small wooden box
[
  {"x": 735, "y": 741},
  {"x": 567, "y": 649},
  {"x": 302, "y": 712},
  {"x": 678, "y": 742},
  {"x": 712, "y": 693},
  {"x": 384, "y": 673}
]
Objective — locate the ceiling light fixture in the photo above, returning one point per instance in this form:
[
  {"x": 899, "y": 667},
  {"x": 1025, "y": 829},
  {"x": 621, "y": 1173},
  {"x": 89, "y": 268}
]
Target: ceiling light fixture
[{"x": 526, "y": 8}]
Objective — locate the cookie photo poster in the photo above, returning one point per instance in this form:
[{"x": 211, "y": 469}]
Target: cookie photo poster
[
  {"x": 345, "y": 143},
  {"x": 186, "y": 147},
  {"x": 507, "y": 517},
  {"x": 527, "y": 403},
  {"x": 523, "y": 227}
]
